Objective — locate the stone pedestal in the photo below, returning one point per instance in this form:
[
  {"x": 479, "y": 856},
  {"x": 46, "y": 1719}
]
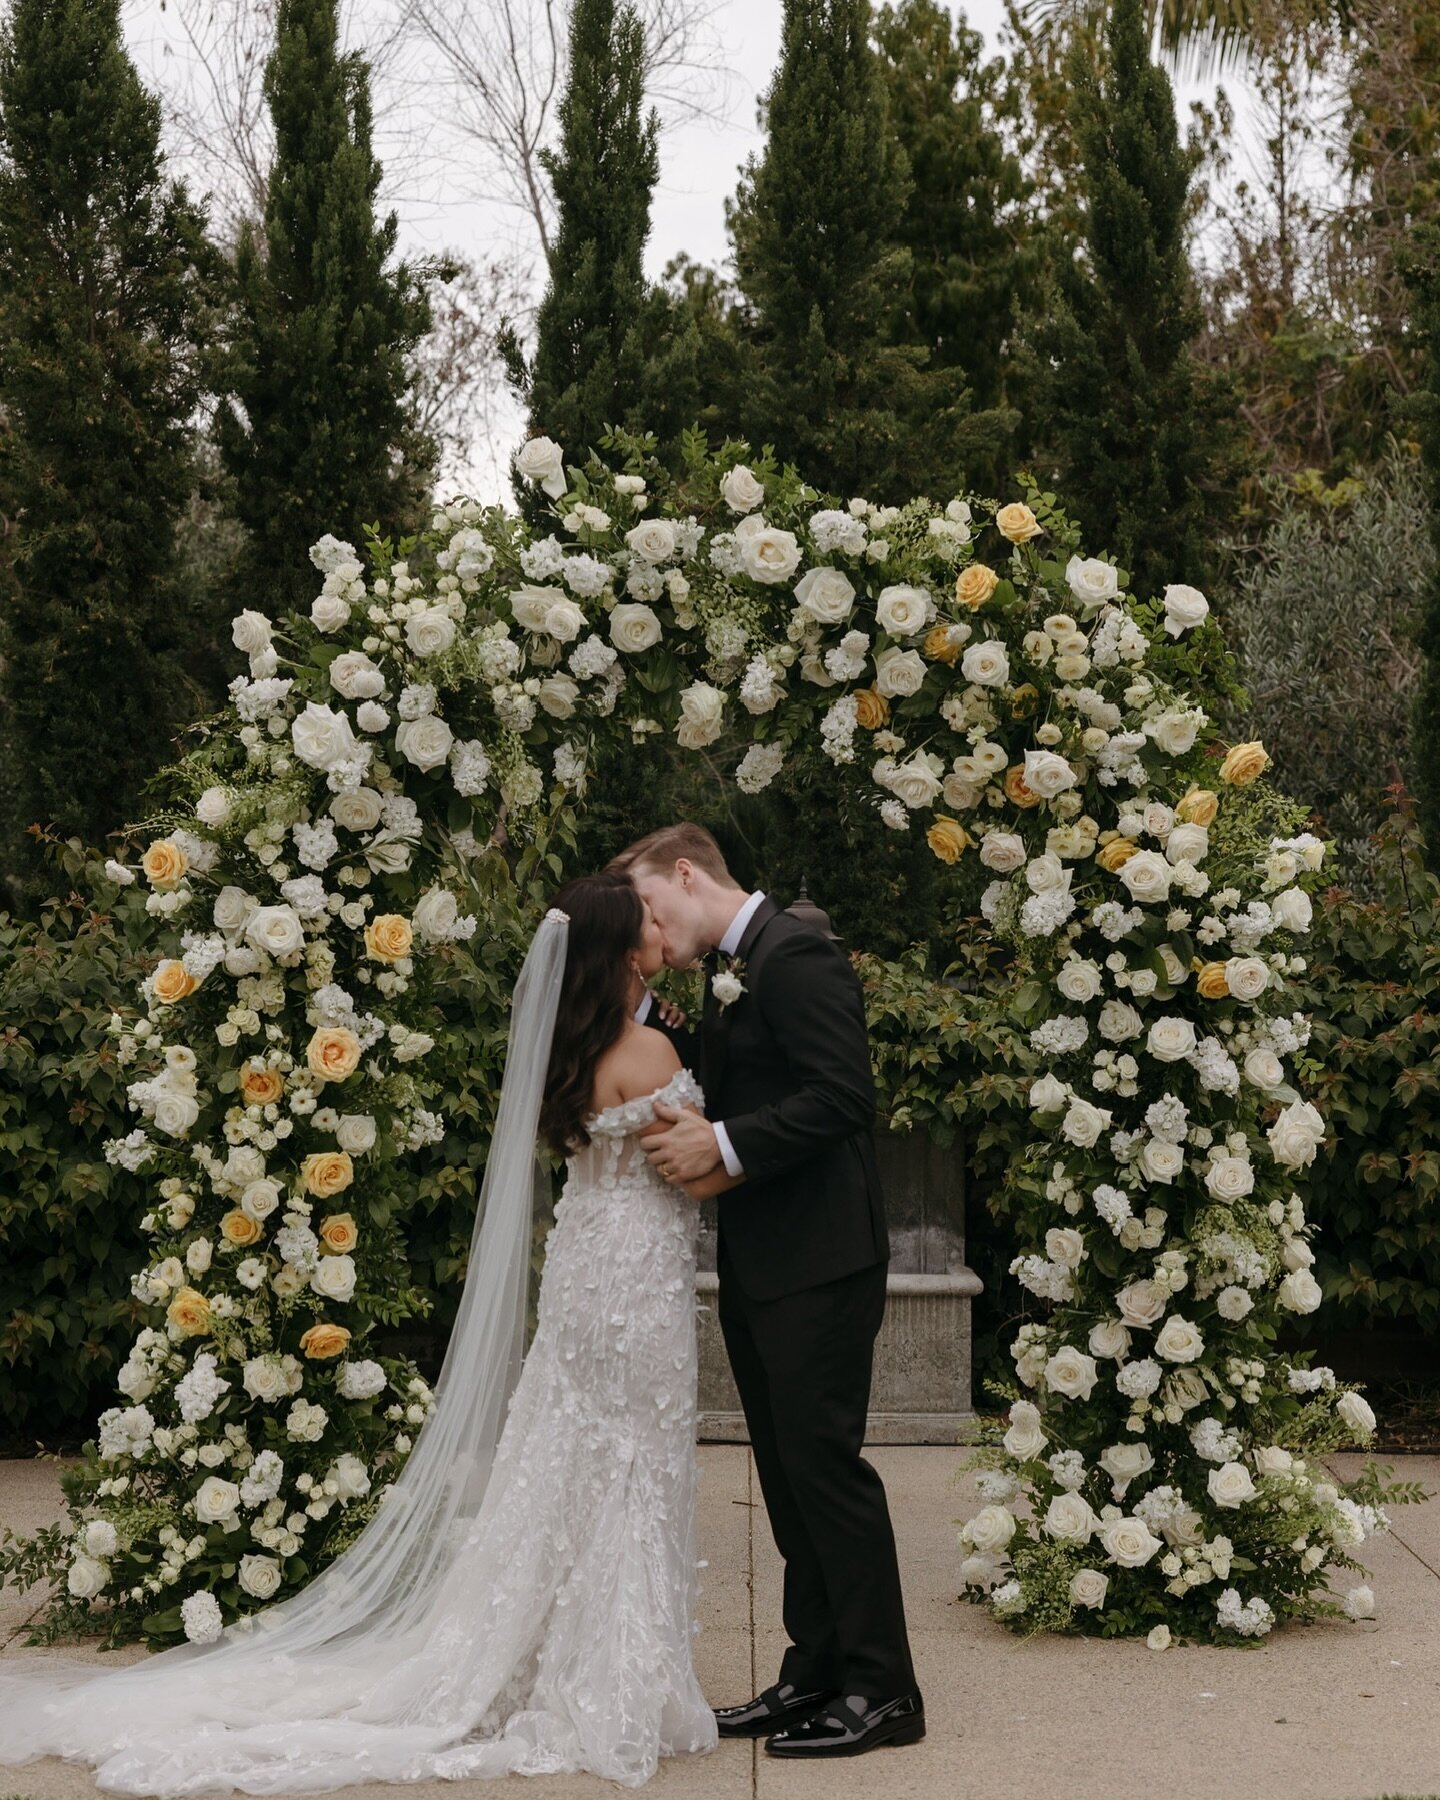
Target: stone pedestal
[{"x": 921, "y": 1388}]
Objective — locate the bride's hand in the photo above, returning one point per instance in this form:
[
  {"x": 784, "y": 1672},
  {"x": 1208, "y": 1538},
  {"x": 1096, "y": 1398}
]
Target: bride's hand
[
  {"x": 674, "y": 1016},
  {"x": 716, "y": 1182}
]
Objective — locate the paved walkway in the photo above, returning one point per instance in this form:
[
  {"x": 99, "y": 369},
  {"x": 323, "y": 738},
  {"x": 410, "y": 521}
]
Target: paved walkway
[{"x": 1336, "y": 1712}]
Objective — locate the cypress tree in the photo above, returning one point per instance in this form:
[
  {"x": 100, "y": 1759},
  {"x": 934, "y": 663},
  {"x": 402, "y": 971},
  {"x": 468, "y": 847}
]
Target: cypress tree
[
  {"x": 104, "y": 275},
  {"x": 816, "y": 224},
  {"x": 598, "y": 311},
  {"x": 1140, "y": 431},
  {"x": 1419, "y": 262},
  {"x": 317, "y": 428}
]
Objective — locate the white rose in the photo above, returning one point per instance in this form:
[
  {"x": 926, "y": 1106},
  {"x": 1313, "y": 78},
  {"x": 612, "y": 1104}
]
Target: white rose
[
  {"x": 902, "y": 610},
  {"x": 329, "y": 612},
  {"x": 322, "y": 738},
  {"x": 1292, "y": 910},
  {"x": 991, "y": 1529},
  {"x": 702, "y": 710},
  {"x": 564, "y": 621},
  {"x": 1147, "y": 876},
  {"x": 1047, "y": 774},
  {"x": 898, "y": 672},
  {"x": 1264, "y": 1069},
  {"x": 1071, "y": 1372},
  {"x": 86, "y": 1577},
  {"x": 741, "y": 491},
  {"x": 435, "y": 915},
  {"x": 653, "y": 540},
  {"x": 987, "y": 664},
  {"x": 213, "y": 806},
  {"x": 424, "y": 742},
  {"x": 1185, "y": 607},
  {"x": 1300, "y": 1291},
  {"x": 914, "y": 782},
  {"x": 1065, "y": 1245},
  {"x": 1185, "y": 1388},
  {"x": 1175, "y": 971},
  {"x": 1141, "y": 1304},
  {"x": 175, "y": 1113},
  {"x": 250, "y": 632},
  {"x": 1230, "y": 1485},
  {"x": 1002, "y": 851},
  {"x": 1187, "y": 843},
  {"x": 634, "y": 627},
  {"x": 1046, "y": 874},
  {"x": 351, "y": 1477},
  {"x": 1109, "y": 1339},
  {"x": 276, "y": 930},
  {"x": 541, "y": 459},
  {"x": 216, "y": 1500},
  {"x": 1160, "y": 1161},
  {"x": 1246, "y": 977},
  {"x": 1297, "y": 1254},
  {"x": 1270, "y": 1459},
  {"x": 233, "y": 906},
  {"x": 1079, "y": 980},
  {"x": 1125, "y": 1463},
  {"x": 558, "y": 694},
  {"x": 1230, "y": 1177},
  {"x": 1129, "y": 1542},
  {"x": 530, "y": 605},
  {"x": 1175, "y": 733},
  {"x": 769, "y": 555},
  {"x": 430, "y": 631},
  {"x": 260, "y": 1198},
  {"x": 1171, "y": 1039},
  {"x": 355, "y": 1133},
  {"x": 1355, "y": 1411},
  {"x": 334, "y": 1277},
  {"x": 1087, "y": 1587},
  {"x": 827, "y": 595},
  {"x": 1070, "y": 1518},
  {"x": 1296, "y": 1134},
  {"x": 1083, "y": 1123},
  {"x": 1178, "y": 1341},
  {"x": 1092, "y": 582},
  {"x": 357, "y": 811},
  {"x": 1048, "y": 1093},
  {"x": 1025, "y": 1439},
  {"x": 353, "y": 675},
  {"x": 1119, "y": 1021},
  {"x": 259, "y": 1575},
  {"x": 265, "y": 1379}
]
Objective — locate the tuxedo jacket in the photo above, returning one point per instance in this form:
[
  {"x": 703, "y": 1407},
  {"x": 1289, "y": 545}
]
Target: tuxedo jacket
[{"x": 786, "y": 1069}]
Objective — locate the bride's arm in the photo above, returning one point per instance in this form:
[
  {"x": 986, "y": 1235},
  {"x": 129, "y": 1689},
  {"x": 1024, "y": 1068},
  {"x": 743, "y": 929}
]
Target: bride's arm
[{"x": 716, "y": 1182}]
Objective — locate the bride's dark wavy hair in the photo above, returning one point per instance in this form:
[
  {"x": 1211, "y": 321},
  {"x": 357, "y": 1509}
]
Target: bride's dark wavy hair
[{"x": 607, "y": 920}]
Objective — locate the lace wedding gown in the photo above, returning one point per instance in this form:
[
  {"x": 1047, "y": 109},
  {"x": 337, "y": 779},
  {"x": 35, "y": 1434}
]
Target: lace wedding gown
[{"x": 563, "y": 1641}]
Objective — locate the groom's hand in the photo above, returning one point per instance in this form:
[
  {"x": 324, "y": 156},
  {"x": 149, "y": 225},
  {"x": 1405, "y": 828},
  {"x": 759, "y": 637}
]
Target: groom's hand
[{"x": 686, "y": 1149}]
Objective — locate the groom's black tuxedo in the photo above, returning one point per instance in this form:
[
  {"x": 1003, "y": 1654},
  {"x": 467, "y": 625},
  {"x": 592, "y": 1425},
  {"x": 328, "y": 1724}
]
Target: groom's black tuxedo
[{"x": 803, "y": 1249}]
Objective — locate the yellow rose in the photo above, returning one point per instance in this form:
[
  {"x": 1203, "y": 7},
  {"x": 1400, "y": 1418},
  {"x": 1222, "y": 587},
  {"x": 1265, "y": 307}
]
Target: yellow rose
[
  {"x": 1243, "y": 763},
  {"x": 324, "y": 1339},
  {"x": 1017, "y": 522},
  {"x": 164, "y": 863},
  {"x": 947, "y": 838},
  {"x": 1016, "y": 788},
  {"x": 239, "y": 1228},
  {"x": 189, "y": 1312},
  {"x": 173, "y": 981},
  {"x": 339, "y": 1233},
  {"x": 1211, "y": 981},
  {"x": 1116, "y": 854},
  {"x": 1022, "y": 700},
  {"x": 261, "y": 1087},
  {"x": 871, "y": 709},
  {"x": 1198, "y": 807},
  {"x": 326, "y": 1172},
  {"x": 940, "y": 646},
  {"x": 388, "y": 937},
  {"x": 975, "y": 585},
  {"x": 333, "y": 1053}
]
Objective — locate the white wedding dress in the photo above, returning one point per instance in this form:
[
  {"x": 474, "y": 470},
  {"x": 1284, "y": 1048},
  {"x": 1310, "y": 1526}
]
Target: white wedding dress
[{"x": 561, "y": 1637}]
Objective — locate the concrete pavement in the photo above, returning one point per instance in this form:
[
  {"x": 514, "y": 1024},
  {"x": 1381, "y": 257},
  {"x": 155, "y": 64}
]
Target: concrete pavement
[{"x": 1333, "y": 1712}]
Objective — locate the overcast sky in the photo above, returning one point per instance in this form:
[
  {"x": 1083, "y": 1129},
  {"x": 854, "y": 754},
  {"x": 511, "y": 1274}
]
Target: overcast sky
[{"x": 428, "y": 171}]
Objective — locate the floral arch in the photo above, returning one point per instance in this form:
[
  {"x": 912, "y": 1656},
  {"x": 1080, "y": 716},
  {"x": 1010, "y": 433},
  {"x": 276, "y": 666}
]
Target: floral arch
[{"x": 400, "y": 765}]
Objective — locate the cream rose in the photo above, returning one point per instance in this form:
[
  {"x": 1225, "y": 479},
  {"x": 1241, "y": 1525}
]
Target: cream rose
[
  {"x": 1296, "y": 1135},
  {"x": 1129, "y": 1542},
  {"x": 250, "y": 632},
  {"x": 334, "y": 1277},
  {"x": 430, "y": 631},
  {"x": 1125, "y": 1463},
  {"x": 653, "y": 540},
  {"x": 1246, "y": 977},
  {"x": 435, "y": 915},
  {"x": 425, "y": 742},
  {"x": 702, "y": 711},
  {"x": 634, "y": 627},
  {"x": 1355, "y": 1411},
  {"x": 564, "y": 621},
  {"x": 1292, "y": 910},
  {"x": 1300, "y": 1291},
  {"x": 1147, "y": 877},
  {"x": 322, "y": 738},
  {"x": 558, "y": 694},
  {"x": 1230, "y": 1177},
  {"x": 359, "y": 810},
  {"x": 260, "y": 1198},
  {"x": 1025, "y": 1439},
  {"x": 1088, "y": 1588},
  {"x": 991, "y": 1529},
  {"x": 216, "y": 1500},
  {"x": 1070, "y": 1519},
  {"x": 1187, "y": 843},
  {"x": 1071, "y": 1372},
  {"x": 768, "y": 555},
  {"x": 540, "y": 459},
  {"x": 1048, "y": 1093},
  {"x": 827, "y": 595},
  {"x": 987, "y": 663},
  {"x": 1083, "y": 1123},
  {"x": 259, "y": 1575},
  {"x": 1092, "y": 582},
  {"x": 1178, "y": 1341},
  {"x": 1171, "y": 1039},
  {"x": 530, "y": 605},
  {"x": 1109, "y": 1339},
  {"x": 903, "y": 611},
  {"x": 1230, "y": 1485},
  {"x": 898, "y": 672},
  {"x": 1185, "y": 607},
  {"x": 1002, "y": 851},
  {"x": 1047, "y": 773},
  {"x": 1141, "y": 1304},
  {"x": 1160, "y": 1161},
  {"x": 741, "y": 490},
  {"x": 276, "y": 930},
  {"x": 355, "y": 677},
  {"x": 1079, "y": 980}
]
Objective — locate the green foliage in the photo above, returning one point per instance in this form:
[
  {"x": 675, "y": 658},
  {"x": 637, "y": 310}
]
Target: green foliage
[
  {"x": 1324, "y": 614},
  {"x": 1139, "y": 431},
  {"x": 104, "y": 286},
  {"x": 317, "y": 421},
  {"x": 1421, "y": 268},
  {"x": 820, "y": 265}
]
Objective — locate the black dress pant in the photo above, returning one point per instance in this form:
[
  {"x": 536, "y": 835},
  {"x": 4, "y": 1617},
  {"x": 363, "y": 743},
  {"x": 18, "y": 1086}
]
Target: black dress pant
[{"x": 802, "y": 1363}]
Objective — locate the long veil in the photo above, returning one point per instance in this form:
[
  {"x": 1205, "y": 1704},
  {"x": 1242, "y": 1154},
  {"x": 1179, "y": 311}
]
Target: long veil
[{"x": 345, "y": 1633}]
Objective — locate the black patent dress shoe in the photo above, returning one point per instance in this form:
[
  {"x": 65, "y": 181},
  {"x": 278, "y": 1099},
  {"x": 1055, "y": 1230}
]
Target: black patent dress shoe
[
  {"x": 776, "y": 1708},
  {"x": 851, "y": 1725}
]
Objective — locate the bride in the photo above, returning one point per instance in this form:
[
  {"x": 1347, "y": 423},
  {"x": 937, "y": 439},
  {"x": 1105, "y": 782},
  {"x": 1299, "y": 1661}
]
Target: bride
[{"x": 523, "y": 1600}]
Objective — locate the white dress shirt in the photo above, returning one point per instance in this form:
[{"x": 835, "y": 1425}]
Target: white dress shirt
[{"x": 727, "y": 946}]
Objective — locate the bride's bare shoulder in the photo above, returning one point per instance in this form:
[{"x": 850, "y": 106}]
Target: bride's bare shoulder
[{"x": 641, "y": 1060}]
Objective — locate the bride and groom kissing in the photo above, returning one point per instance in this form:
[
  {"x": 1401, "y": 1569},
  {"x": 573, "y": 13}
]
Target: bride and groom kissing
[{"x": 524, "y": 1601}]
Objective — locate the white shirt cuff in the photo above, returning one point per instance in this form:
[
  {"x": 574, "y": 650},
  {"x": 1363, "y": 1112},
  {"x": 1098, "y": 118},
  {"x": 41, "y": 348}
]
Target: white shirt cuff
[{"x": 727, "y": 1152}]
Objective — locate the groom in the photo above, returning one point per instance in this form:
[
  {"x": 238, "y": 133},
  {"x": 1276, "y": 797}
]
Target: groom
[{"x": 803, "y": 1247}]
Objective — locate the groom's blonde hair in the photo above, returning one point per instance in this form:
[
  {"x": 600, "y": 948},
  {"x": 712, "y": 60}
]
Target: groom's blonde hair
[{"x": 659, "y": 851}]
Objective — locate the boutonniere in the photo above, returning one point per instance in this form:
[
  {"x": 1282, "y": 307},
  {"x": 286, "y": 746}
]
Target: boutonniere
[{"x": 727, "y": 984}]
